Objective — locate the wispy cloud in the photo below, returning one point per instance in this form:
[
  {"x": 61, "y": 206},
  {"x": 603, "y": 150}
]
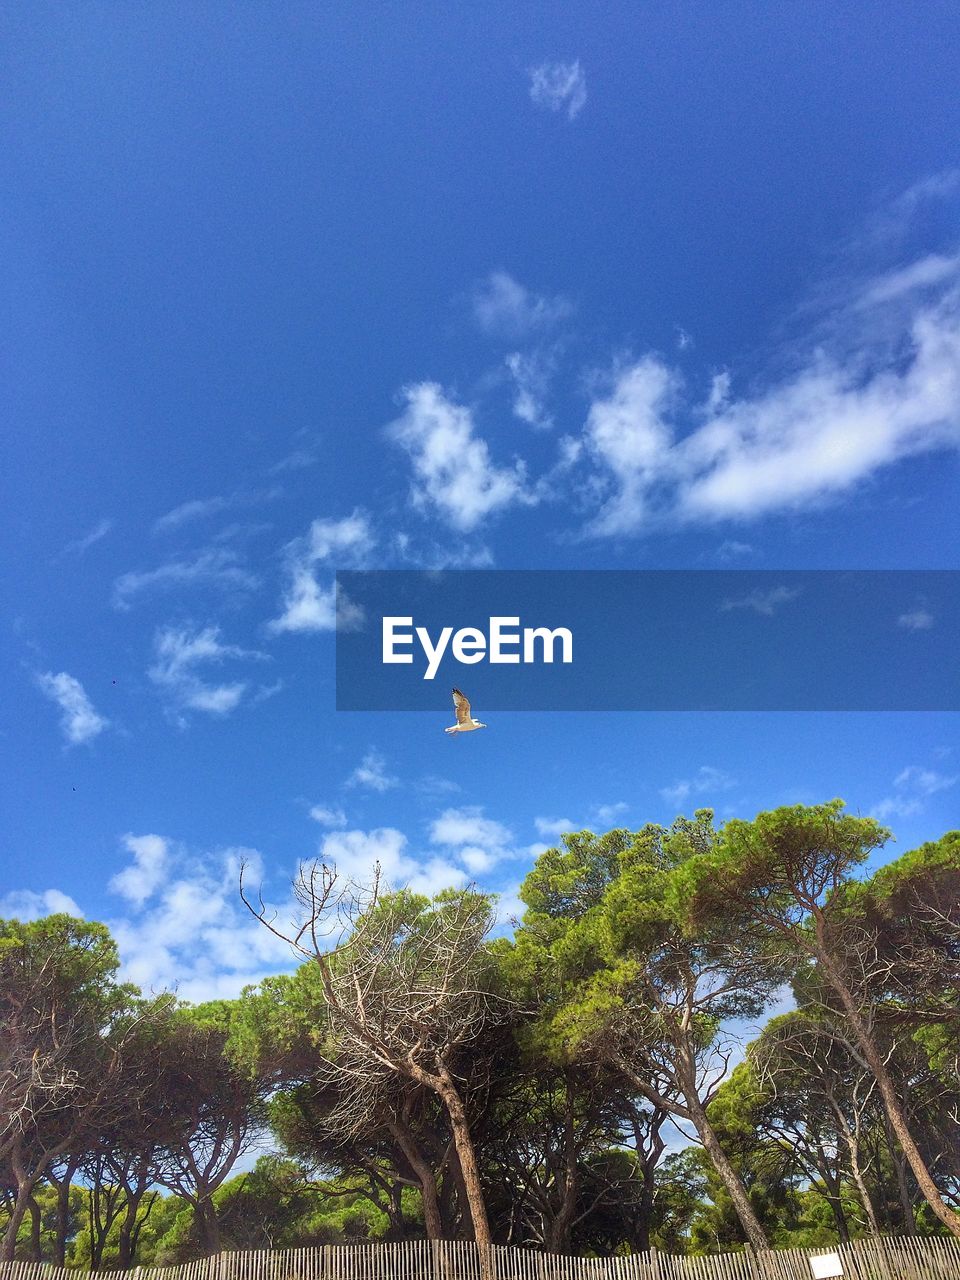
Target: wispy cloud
[
  {"x": 453, "y": 473},
  {"x": 731, "y": 549},
  {"x": 200, "y": 508},
  {"x": 25, "y": 904},
  {"x": 79, "y": 720},
  {"x": 504, "y": 308},
  {"x": 531, "y": 373},
  {"x": 183, "y": 927},
  {"x": 99, "y": 531},
  {"x": 218, "y": 567},
  {"x": 355, "y": 854},
  {"x": 604, "y": 814},
  {"x": 423, "y": 553},
  {"x": 372, "y": 774},
  {"x": 196, "y": 509},
  {"x": 298, "y": 460},
  {"x": 559, "y": 86},
  {"x": 328, "y": 815},
  {"x": 309, "y": 605},
  {"x": 899, "y": 216},
  {"x": 553, "y": 828},
  {"x": 143, "y": 876},
  {"x": 916, "y": 620},
  {"x": 912, "y": 788},
  {"x": 706, "y": 781},
  {"x": 883, "y": 386},
  {"x": 766, "y": 603},
  {"x": 179, "y": 653},
  {"x": 478, "y": 842}
]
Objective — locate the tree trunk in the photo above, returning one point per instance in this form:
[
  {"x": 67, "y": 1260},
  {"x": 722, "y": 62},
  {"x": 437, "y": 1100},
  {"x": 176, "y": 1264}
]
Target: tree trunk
[
  {"x": 641, "y": 1240},
  {"x": 208, "y": 1228},
  {"x": 425, "y": 1176},
  {"x": 908, "y": 1219},
  {"x": 125, "y": 1244},
  {"x": 833, "y": 1199},
  {"x": 888, "y": 1092},
  {"x": 728, "y": 1175},
  {"x": 25, "y": 1184},
  {"x": 35, "y": 1228},
  {"x": 558, "y": 1234},
  {"x": 853, "y": 1147},
  {"x": 463, "y": 1142},
  {"x": 63, "y": 1213},
  {"x": 13, "y": 1228}
]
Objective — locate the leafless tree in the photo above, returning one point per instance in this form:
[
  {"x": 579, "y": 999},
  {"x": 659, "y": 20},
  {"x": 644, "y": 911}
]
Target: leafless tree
[{"x": 407, "y": 985}]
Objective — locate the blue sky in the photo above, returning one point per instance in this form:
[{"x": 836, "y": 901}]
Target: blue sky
[{"x": 297, "y": 288}]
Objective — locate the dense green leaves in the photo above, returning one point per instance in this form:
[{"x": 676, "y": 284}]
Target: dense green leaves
[{"x": 573, "y": 1063}]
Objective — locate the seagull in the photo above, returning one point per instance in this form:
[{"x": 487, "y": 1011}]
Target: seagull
[{"x": 465, "y": 721}]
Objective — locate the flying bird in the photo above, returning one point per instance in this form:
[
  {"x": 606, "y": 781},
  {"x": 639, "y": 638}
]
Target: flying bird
[{"x": 465, "y": 721}]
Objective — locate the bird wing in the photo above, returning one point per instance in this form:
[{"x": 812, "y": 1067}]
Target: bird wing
[{"x": 462, "y": 707}]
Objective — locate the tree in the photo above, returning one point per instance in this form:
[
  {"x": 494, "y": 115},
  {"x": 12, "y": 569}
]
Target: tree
[
  {"x": 211, "y": 1108},
  {"x": 65, "y": 1022},
  {"x": 633, "y": 986},
  {"x": 821, "y": 1104},
  {"x": 787, "y": 874},
  {"x": 408, "y": 984}
]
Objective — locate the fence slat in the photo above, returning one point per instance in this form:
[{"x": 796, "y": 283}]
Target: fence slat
[{"x": 886, "y": 1258}]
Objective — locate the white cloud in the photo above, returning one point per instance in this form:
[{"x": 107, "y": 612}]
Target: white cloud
[
  {"x": 731, "y": 549},
  {"x": 453, "y": 471},
  {"x": 200, "y": 508},
  {"x": 189, "y": 931},
  {"x": 328, "y": 815},
  {"x": 916, "y": 620},
  {"x": 468, "y": 826},
  {"x": 309, "y": 605},
  {"x": 605, "y": 813},
  {"x": 356, "y": 853},
  {"x": 553, "y": 827},
  {"x": 706, "y": 780},
  {"x": 479, "y": 842},
  {"x": 684, "y": 338},
  {"x": 431, "y": 784},
  {"x": 531, "y": 376},
  {"x": 298, "y": 460},
  {"x": 509, "y": 908},
  {"x": 99, "y": 530},
  {"x": 766, "y": 603},
  {"x": 626, "y": 431},
  {"x": 912, "y": 787},
  {"x": 179, "y": 651},
  {"x": 371, "y": 773},
  {"x": 922, "y": 274},
  {"x": 504, "y": 308},
  {"x": 559, "y": 86},
  {"x": 25, "y": 905},
  {"x": 214, "y": 566},
  {"x": 141, "y": 878},
  {"x": 885, "y": 386},
  {"x": 897, "y": 219},
  {"x": 425, "y": 554},
  {"x": 196, "y": 509},
  {"x": 79, "y": 720},
  {"x": 925, "y": 781},
  {"x": 719, "y": 393}
]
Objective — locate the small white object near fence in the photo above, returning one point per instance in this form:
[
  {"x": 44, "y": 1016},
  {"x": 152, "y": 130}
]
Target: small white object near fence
[{"x": 888, "y": 1258}]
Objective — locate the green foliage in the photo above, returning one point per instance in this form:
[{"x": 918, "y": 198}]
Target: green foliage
[{"x": 637, "y": 950}]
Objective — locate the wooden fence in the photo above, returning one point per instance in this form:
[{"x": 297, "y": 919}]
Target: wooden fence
[{"x": 900, "y": 1258}]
